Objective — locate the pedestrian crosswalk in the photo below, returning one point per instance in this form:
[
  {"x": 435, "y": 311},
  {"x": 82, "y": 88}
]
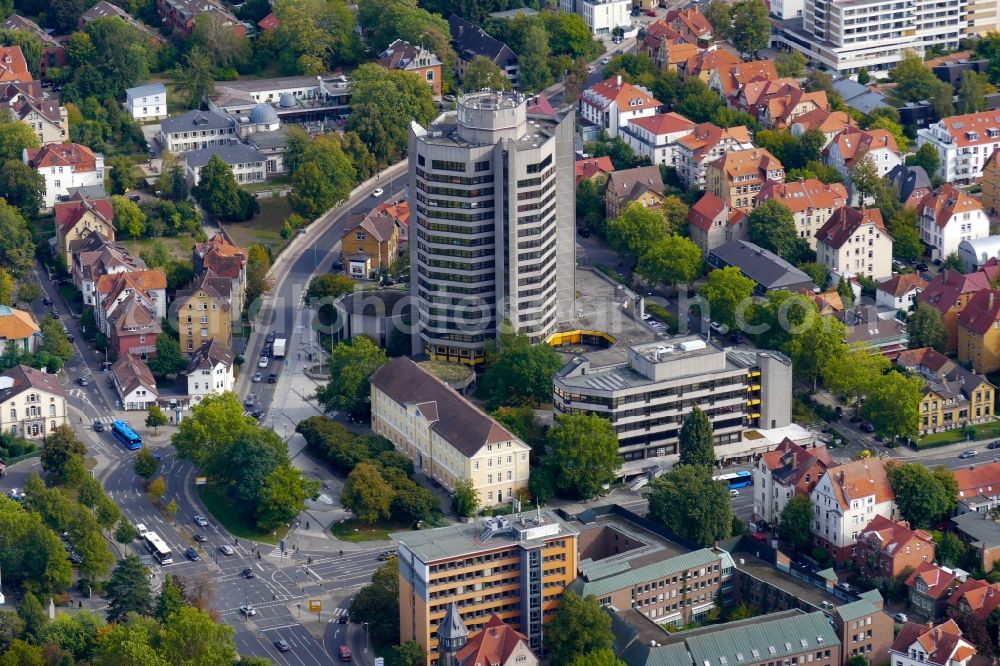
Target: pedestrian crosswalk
[{"x": 337, "y": 613}]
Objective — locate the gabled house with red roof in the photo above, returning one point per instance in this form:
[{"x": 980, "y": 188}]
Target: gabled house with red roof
[
  {"x": 399, "y": 211},
  {"x": 95, "y": 256},
  {"x": 899, "y": 292},
  {"x": 812, "y": 203},
  {"x": 978, "y": 485},
  {"x": 949, "y": 292},
  {"x": 659, "y": 35},
  {"x": 655, "y": 136},
  {"x": 704, "y": 64},
  {"x": 496, "y": 644},
  {"x": 738, "y": 176},
  {"x": 953, "y": 396},
  {"x": 829, "y": 123},
  {"x": 923, "y": 645},
  {"x": 887, "y": 548},
  {"x": 596, "y": 169},
  {"x": 64, "y": 166},
  {"x": 948, "y": 217},
  {"x": 781, "y": 108},
  {"x": 79, "y": 217},
  {"x": 690, "y": 24},
  {"x": 711, "y": 223},
  {"x": 846, "y": 499},
  {"x": 132, "y": 328},
  {"x": 930, "y": 587},
  {"x": 13, "y": 66},
  {"x": 612, "y": 103},
  {"x": 729, "y": 79},
  {"x": 149, "y": 287},
  {"x": 855, "y": 242},
  {"x": 705, "y": 144},
  {"x": 852, "y": 144},
  {"x": 979, "y": 331},
  {"x": 778, "y": 475},
  {"x": 975, "y": 597},
  {"x": 226, "y": 261}
]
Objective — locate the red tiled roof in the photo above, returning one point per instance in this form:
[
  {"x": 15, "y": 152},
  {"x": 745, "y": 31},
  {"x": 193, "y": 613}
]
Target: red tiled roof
[
  {"x": 891, "y": 536},
  {"x": 942, "y": 643},
  {"x": 845, "y": 221},
  {"x": 800, "y": 196},
  {"x": 139, "y": 280},
  {"x": 13, "y": 66},
  {"x": 704, "y": 137},
  {"x": 740, "y": 73},
  {"x": 692, "y": 19},
  {"x": 269, "y": 22},
  {"x": 802, "y": 468},
  {"x": 706, "y": 211},
  {"x": 854, "y": 142},
  {"x": 947, "y": 202},
  {"x": 973, "y": 129},
  {"x": 901, "y": 285},
  {"x": 592, "y": 166},
  {"x": 981, "y": 311},
  {"x": 977, "y": 480},
  {"x": 73, "y": 155},
  {"x": 68, "y": 213},
  {"x": 495, "y": 644},
  {"x": 977, "y": 597},
  {"x": 860, "y": 478},
  {"x": 709, "y": 61},
  {"x": 937, "y": 579},
  {"x": 827, "y": 122},
  {"x": 944, "y": 289},
  {"x": 663, "y": 123},
  {"x": 615, "y": 89}
]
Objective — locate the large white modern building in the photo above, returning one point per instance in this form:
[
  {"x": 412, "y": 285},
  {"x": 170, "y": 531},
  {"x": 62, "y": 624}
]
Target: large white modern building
[
  {"x": 647, "y": 395},
  {"x": 492, "y": 223},
  {"x": 963, "y": 143},
  {"x": 601, "y": 16}
]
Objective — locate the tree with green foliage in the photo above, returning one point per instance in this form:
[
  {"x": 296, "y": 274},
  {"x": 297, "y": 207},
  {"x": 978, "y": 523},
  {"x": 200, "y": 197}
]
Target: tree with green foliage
[
  {"x": 128, "y": 590},
  {"x": 534, "y": 72},
  {"x": 58, "y": 448},
  {"x": 170, "y": 599},
  {"x": 772, "y": 227},
  {"x": 852, "y": 374},
  {"x": 120, "y": 177},
  {"x": 54, "y": 340},
  {"x": 817, "y": 272},
  {"x": 602, "y": 657},
  {"x": 283, "y": 496},
  {"x": 129, "y": 643},
  {"x": 15, "y": 137},
  {"x": 106, "y": 58},
  {"x": 22, "y": 653},
  {"x": 17, "y": 249},
  {"x": 129, "y": 218},
  {"x": 329, "y": 287},
  {"x": 953, "y": 262},
  {"x": 313, "y": 37},
  {"x": 481, "y": 73},
  {"x": 220, "y": 195},
  {"x": 191, "y": 638},
  {"x": 924, "y": 497},
  {"x": 720, "y": 14},
  {"x": 579, "y": 627},
  {"x": 324, "y": 175},
  {"x": 77, "y": 633},
  {"x": 972, "y": 93},
  {"x": 793, "y": 526},
  {"x": 893, "y": 128},
  {"x": 195, "y": 79},
  {"x": 697, "y": 101},
  {"x": 672, "y": 260},
  {"x": 377, "y": 604},
  {"x": 863, "y": 76},
  {"x": 351, "y": 366},
  {"x": 697, "y": 446},
  {"x": 690, "y": 504},
  {"x": 125, "y": 532},
  {"x": 465, "y": 499},
  {"x": 583, "y": 454},
  {"x": 366, "y": 494},
  {"x": 791, "y": 64},
  {"x": 168, "y": 359},
  {"x": 865, "y": 178},
  {"x": 914, "y": 80},
  {"x": 925, "y": 328},
  {"x": 950, "y": 550},
  {"x": 751, "y": 26},
  {"x": 383, "y": 103},
  {"x": 208, "y": 433},
  {"x": 96, "y": 559},
  {"x": 814, "y": 346},
  {"x": 906, "y": 245},
  {"x": 145, "y": 464},
  {"x": 926, "y": 157},
  {"x": 893, "y": 403},
  {"x": 410, "y": 654},
  {"x": 517, "y": 371},
  {"x": 33, "y": 616},
  {"x": 729, "y": 294},
  {"x": 311, "y": 193},
  {"x": 155, "y": 417}
]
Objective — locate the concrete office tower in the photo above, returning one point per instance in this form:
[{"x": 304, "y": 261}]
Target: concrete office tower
[{"x": 492, "y": 223}]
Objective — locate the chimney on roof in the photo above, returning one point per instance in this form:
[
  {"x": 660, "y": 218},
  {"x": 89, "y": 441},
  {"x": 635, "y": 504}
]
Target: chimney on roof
[
  {"x": 795, "y": 459},
  {"x": 618, "y": 80}
]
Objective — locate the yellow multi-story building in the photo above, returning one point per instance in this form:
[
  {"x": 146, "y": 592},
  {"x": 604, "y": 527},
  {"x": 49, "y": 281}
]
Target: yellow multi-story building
[
  {"x": 979, "y": 331},
  {"x": 990, "y": 197},
  {"x": 738, "y": 176},
  {"x": 448, "y": 438},
  {"x": 953, "y": 396},
  {"x": 204, "y": 313},
  {"x": 516, "y": 567}
]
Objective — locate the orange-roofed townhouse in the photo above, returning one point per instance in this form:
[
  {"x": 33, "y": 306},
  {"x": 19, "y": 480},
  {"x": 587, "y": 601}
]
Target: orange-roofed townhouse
[
  {"x": 13, "y": 66},
  {"x": 656, "y": 136},
  {"x": 812, "y": 202},
  {"x": 149, "y": 286},
  {"x": 979, "y": 331},
  {"x": 691, "y": 24},
  {"x": 706, "y": 143},
  {"x": 789, "y": 103},
  {"x": 829, "y": 123},
  {"x": 704, "y": 64},
  {"x": 641, "y": 184},
  {"x": 887, "y": 548},
  {"x": 949, "y": 292},
  {"x": 659, "y": 35},
  {"x": 132, "y": 329},
  {"x": 975, "y": 597},
  {"x": 63, "y": 166},
  {"x": 978, "y": 485},
  {"x": 711, "y": 223},
  {"x": 416, "y": 59},
  {"x": 845, "y": 500},
  {"x": 900, "y": 292},
  {"x": 729, "y": 79},
  {"x": 851, "y": 145},
  {"x": 930, "y": 587},
  {"x": 855, "y": 242},
  {"x": 497, "y": 644},
  {"x": 949, "y": 217},
  {"x": 931, "y": 645},
  {"x": 779, "y": 475},
  {"x": 596, "y": 169},
  {"x": 963, "y": 143},
  {"x": 94, "y": 256},
  {"x": 78, "y": 218},
  {"x": 612, "y": 103},
  {"x": 18, "y": 327},
  {"x": 738, "y": 176}
]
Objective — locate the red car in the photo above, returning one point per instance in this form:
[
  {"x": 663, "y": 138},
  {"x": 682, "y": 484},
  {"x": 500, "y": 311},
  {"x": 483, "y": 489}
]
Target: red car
[{"x": 344, "y": 653}]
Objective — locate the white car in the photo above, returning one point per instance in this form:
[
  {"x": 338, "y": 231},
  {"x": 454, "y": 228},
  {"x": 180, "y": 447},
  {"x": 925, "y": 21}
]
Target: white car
[
  {"x": 226, "y": 549},
  {"x": 901, "y": 618},
  {"x": 262, "y": 363},
  {"x": 605, "y": 60},
  {"x": 734, "y": 493},
  {"x": 249, "y": 611},
  {"x": 378, "y": 192},
  {"x": 200, "y": 521}
]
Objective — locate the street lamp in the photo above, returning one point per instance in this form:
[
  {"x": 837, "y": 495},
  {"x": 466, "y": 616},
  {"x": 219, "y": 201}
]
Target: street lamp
[{"x": 367, "y": 638}]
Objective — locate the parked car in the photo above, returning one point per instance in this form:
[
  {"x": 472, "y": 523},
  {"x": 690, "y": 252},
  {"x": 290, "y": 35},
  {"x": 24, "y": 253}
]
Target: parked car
[
  {"x": 377, "y": 192},
  {"x": 249, "y": 611},
  {"x": 226, "y": 549},
  {"x": 251, "y": 399},
  {"x": 971, "y": 453},
  {"x": 733, "y": 492},
  {"x": 282, "y": 645},
  {"x": 70, "y": 337},
  {"x": 192, "y": 554},
  {"x": 344, "y": 653},
  {"x": 272, "y": 378},
  {"x": 47, "y": 302},
  {"x": 55, "y": 314},
  {"x": 248, "y": 573},
  {"x": 650, "y": 13},
  {"x": 867, "y": 427},
  {"x": 257, "y": 376},
  {"x": 921, "y": 266},
  {"x": 200, "y": 521},
  {"x": 994, "y": 445},
  {"x": 270, "y": 337},
  {"x": 901, "y": 618},
  {"x": 98, "y": 426},
  {"x": 83, "y": 381}
]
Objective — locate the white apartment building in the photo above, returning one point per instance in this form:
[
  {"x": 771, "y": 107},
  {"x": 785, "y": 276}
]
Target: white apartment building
[
  {"x": 194, "y": 130},
  {"x": 65, "y": 166},
  {"x": 845, "y": 500},
  {"x": 656, "y": 136},
  {"x": 494, "y": 222},
  {"x": 964, "y": 143},
  {"x": 447, "y": 437},
  {"x": 920, "y": 644},
  {"x": 779, "y": 475},
  {"x": 601, "y": 16},
  {"x": 210, "y": 371},
  {"x": 949, "y": 217},
  {"x": 147, "y": 102},
  {"x": 787, "y": 9},
  {"x": 613, "y": 103},
  {"x": 32, "y": 402},
  {"x": 855, "y": 242},
  {"x": 249, "y": 165},
  {"x": 812, "y": 202},
  {"x": 705, "y": 144}
]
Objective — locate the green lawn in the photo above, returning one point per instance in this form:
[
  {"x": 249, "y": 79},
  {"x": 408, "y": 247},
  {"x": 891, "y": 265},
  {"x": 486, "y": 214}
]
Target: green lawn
[
  {"x": 264, "y": 228},
  {"x": 983, "y": 431},
  {"x": 355, "y": 531},
  {"x": 235, "y": 522},
  {"x": 178, "y": 246}
]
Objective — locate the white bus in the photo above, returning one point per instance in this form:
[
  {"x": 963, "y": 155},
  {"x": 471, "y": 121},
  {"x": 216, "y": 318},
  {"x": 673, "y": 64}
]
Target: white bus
[{"x": 156, "y": 546}]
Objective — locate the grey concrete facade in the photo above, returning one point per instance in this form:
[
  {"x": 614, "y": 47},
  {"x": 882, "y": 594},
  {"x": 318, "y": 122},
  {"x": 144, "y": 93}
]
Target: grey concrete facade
[{"x": 492, "y": 226}]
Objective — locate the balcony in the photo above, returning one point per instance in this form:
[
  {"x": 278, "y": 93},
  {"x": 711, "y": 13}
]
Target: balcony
[{"x": 142, "y": 349}]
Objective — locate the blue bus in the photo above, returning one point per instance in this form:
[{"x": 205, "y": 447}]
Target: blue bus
[
  {"x": 124, "y": 434},
  {"x": 735, "y": 479}
]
